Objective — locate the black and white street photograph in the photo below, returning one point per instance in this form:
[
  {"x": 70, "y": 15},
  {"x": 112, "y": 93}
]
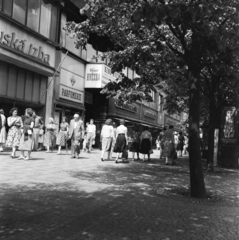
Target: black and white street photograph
[{"x": 119, "y": 119}]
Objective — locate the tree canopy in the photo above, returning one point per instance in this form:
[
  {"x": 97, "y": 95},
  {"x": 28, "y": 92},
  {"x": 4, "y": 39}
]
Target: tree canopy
[{"x": 160, "y": 40}]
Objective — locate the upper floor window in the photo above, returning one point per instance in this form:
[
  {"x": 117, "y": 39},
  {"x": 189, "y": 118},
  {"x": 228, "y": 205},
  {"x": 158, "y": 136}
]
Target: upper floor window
[{"x": 35, "y": 14}]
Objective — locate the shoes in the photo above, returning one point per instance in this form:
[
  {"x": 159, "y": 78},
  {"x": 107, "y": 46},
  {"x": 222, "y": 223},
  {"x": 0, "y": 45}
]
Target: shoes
[
  {"x": 116, "y": 161},
  {"x": 102, "y": 159},
  {"x": 21, "y": 157},
  {"x": 58, "y": 153},
  {"x": 73, "y": 157},
  {"x": 27, "y": 158},
  {"x": 47, "y": 151},
  {"x": 166, "y": 164}
]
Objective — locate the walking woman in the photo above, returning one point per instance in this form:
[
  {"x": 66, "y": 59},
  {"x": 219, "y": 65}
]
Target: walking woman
[
  {"x": 114, "y": 138},
  {"x": 169, "y": 145},
  {"x": 180, "y": 143},
  {"x": 134, "y": 148},
  {"x": 121, "y": 139},
  {"x": 41, "y": 135},
  {"x": 14, "y": 134},
  {"x": 50, "y": 138},
  {"x": 2, "y": 129},
  {"x": 27, "y": 141},
  {"x": 146, "y": 143},
  {"x": 62, "y": 136},
  {"x": 106, "y": 136}
]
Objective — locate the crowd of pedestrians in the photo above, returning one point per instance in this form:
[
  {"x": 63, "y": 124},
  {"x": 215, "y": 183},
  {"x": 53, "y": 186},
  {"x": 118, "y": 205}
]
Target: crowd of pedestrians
[{"x": 28, "y": 133}]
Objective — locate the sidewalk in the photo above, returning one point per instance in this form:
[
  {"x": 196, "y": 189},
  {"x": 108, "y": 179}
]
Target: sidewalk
[{"x": 56, "y": 197}]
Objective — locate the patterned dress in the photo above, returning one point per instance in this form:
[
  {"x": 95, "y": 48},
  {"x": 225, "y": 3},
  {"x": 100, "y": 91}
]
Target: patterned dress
[
  {"x": 50, "y": 138},
  {"x": 14, "y": 133},
  {"x": 27, "y": 141},
  {"x": 62, "y": 135}
]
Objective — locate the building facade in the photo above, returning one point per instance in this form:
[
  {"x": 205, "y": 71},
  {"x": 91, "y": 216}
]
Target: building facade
[{"x": 27, "y": 55}]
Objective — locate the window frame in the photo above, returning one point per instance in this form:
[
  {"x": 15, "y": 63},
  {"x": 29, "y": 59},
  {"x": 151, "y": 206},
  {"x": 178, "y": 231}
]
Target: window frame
[{"x": 10, "y": 17}]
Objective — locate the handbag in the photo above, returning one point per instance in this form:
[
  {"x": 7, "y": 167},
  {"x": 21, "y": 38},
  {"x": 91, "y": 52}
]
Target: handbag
[
  {"x": 29, "y": 132},
  {"x": 151, "y": 151},
  {"x": 125, "y": 154}
]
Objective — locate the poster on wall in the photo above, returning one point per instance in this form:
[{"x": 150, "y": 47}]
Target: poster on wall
[{"x": 228, "y": 127}]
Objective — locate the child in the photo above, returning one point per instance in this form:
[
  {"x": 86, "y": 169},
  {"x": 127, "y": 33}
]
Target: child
[{"x": 76, "y": 147}]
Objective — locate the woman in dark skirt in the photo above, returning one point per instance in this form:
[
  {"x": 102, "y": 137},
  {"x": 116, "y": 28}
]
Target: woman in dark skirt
[
  {"x": 146, "y": 143},
  {"x": 121, "y": 140},
  {"x": 180, "y": 143},
  {"x": 134, "y": 148}
]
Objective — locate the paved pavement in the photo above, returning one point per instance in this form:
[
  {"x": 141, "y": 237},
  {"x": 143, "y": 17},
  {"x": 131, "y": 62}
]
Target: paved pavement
[{"x": 55, "y": 197}]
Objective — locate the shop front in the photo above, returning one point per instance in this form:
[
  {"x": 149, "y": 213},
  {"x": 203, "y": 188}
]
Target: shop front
[
  {"x": 69, "y": 90},
  {"x": 26, "y": 65},
  {"x": 172, "y": 121}
]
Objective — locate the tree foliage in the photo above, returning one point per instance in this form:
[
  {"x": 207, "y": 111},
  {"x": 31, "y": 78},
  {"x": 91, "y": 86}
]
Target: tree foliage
[{"x": 161, "y": 40}]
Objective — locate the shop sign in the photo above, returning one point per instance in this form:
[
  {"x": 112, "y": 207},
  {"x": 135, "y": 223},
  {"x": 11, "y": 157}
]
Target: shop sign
[
  {"x": 126, "y": 106},
  {"x": 71, "y": 94},
  {"x": 149, "y": 114},
  {"x": 88, "y": 98},
  {"x": 22, "y": 46},
  {"x": 98, "y": 75},
  {"x": 228, "y": 128},
  {"x": 170, "y": 121}
]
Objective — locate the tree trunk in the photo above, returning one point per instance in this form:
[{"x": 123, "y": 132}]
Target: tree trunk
[{"x": 197, "y": 184}]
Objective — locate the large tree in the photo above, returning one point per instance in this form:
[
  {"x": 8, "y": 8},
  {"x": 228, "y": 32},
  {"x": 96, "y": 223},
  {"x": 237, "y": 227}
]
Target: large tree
[{"x": 156, "y": 38}]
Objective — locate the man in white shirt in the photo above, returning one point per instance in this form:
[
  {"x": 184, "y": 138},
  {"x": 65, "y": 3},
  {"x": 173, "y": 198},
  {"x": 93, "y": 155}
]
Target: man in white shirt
[{"x": 91, "y": 133}]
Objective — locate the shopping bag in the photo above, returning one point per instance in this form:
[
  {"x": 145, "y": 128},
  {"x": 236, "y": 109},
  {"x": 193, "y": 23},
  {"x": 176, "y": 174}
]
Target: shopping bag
[{"x": 125, "y": 154}]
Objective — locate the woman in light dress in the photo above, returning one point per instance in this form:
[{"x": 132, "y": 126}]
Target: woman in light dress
[
  {"x": 27, "y": 140},
  {"x": 62, "y": 136},
  {"x": 106, "y": 138},
  {"x": 2, "y": 129},
  {"x": 14, "y": 134},
  {"x": 121, "y": 139},
  {"x": 169, "y": 149},
  {"x": 50, "y": 137},
  {"x": 146, "y": 143}
]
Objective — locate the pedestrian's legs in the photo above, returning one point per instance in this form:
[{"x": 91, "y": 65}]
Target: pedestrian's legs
[
  {"x": 90, "y": 142},
  {"x": 102, "y": 154},
  {"x": 133, "y": 153},
  {"x": 77, "y": 151},
  {"x": 14, "y": 149},
  {"x": 47, "y": 149},
  {"x": 59, "y": 149},
  {"x": 108, "y": 155},
  {"x": 35, "y": 138},
  {"x": 117, "y": 157},
  {"x": 148, "y": 156},
  {"x": 72, "y": 148},
  {"x": 1, "y": 147},
  {"x": 166, "y": 161},
  {"x": 22, "y": 155}
]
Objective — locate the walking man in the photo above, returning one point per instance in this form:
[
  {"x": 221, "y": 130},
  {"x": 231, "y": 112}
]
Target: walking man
[
  {"x": 91, "y": 133},
  {"x": 76, "y": 133}
]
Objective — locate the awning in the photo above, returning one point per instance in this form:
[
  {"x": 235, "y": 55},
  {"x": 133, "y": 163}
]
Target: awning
[
  {"x": 70, "y": 105},
  {"x": 133, "y": 120}
]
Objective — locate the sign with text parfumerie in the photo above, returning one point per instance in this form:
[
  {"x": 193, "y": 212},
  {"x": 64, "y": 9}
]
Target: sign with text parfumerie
[
  {"x": 71, "y": 94},
  {"x": 98, "y": 75}
]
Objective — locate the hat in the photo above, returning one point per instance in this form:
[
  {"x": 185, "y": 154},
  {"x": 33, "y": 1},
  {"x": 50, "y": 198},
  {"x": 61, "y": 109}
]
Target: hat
[{"x": 108, "y": 121}]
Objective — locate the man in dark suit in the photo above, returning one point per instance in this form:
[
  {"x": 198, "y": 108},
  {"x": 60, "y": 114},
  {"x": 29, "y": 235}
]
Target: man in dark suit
[{"x": 76, "y": 133}]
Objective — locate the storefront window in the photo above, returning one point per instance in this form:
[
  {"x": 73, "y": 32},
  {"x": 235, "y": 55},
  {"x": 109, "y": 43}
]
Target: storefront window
[
  {"x": 37, "y": 15},
  {"x": 45, "y": 18},
  {"x": 53, "y": 24},
  {"x": 33, "y": 14},
  {"x": 7, "y": 7},
  {"x": 19, "y": 10}
]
